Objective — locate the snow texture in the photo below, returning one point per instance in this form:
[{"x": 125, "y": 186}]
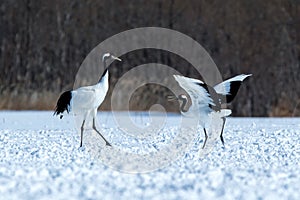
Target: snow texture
[{"x": 40, "y": 158}]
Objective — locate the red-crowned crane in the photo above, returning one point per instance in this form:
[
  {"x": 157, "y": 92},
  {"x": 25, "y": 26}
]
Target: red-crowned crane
[
  {"x": 86, "y": 100},
  {"x": 206, "y": 99}
]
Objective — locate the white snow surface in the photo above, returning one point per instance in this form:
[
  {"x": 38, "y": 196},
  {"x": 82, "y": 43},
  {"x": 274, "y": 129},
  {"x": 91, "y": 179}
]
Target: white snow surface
[{"x": 40, "y": 158}]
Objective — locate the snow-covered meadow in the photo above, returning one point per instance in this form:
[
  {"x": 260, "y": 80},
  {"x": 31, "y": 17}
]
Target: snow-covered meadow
[{"x": 40, "y": 158}]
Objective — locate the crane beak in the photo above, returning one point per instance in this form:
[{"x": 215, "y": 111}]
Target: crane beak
[
  {"x": 172, "y": 98},
  {"x": 116, "y": 58}
]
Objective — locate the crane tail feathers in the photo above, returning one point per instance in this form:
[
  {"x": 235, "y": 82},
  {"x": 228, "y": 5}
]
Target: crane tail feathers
[{"x": 63, "y": 103}]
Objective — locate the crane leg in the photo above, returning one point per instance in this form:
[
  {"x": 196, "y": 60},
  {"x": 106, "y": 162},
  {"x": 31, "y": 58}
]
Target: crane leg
[
  {"x": 221, "y": 136},
  {"x": 94, "y": 127},
  {"x": 205, "y": 138},
  {"x": 81, "y": 133}
]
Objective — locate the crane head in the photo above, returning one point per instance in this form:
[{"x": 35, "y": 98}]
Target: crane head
[
  {"x": 183, "y": 97},
  {"x": 109, "y": 55}
]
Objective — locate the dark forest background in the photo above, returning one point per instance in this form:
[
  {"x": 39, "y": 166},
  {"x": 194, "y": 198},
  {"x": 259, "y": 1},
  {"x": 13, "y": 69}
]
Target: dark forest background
[{"x": 43, "y": 43}]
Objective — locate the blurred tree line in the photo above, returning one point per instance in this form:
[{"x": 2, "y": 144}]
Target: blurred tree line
[{"x": 43, "y": 44}]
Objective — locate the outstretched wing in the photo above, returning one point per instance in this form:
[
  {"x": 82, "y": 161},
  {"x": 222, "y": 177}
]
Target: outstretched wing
[
  {"x": 197, "y": 90},
  {"x": 230, "y": 87}
]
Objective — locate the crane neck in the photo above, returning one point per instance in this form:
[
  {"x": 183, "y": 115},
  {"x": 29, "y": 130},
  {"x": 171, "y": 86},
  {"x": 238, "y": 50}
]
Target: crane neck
[
  {"x": 183, "y": 108},
  {"x": 105, "y": 72},
  {"x": 104, "y": 63}
]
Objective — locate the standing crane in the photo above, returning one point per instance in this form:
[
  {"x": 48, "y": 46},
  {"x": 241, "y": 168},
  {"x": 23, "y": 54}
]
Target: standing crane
[
  {"x": 206, "y": 99},
  {"x": 86, "y": 100}
]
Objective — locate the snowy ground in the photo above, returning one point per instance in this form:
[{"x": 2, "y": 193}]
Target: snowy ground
[{"x": 40, "y": 158}]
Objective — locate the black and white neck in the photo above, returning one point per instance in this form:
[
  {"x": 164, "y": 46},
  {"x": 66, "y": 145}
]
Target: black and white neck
[
  {"x": 104, "y": 75},
  {"x": 184, "y": 101}
]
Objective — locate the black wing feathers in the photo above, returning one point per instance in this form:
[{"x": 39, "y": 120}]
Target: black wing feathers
[
  {"x": 217, "y": 98},
  {"x": 234, "y": 88}
]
